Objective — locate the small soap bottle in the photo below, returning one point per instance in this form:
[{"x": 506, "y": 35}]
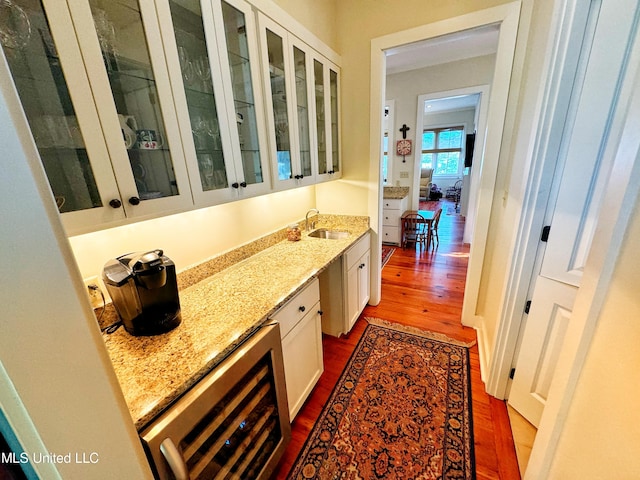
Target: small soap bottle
[{"x": 293, "y": 232}]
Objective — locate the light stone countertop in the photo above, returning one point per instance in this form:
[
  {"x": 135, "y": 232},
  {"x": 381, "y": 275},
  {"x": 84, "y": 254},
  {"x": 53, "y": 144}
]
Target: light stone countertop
[
  {"x": 395, "y": 192},
  {"x": 218, "y": 313}
]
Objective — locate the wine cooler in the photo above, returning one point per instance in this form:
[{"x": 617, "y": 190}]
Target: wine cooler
[{"x": 234, "y": 423}]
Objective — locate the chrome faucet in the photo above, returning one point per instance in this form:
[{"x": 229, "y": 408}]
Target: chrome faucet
[{"x": 306, "y": 219}]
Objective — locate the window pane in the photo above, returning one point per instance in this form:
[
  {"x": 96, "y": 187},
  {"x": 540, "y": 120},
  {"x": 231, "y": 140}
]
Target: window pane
[
  {"x": 428, "y": 140},
  {"x": 450, "y": 139},
  {"x": 447, "y": 163},
  {"x": 427, "y": 160},
  {"x": 385, "y": 168}
]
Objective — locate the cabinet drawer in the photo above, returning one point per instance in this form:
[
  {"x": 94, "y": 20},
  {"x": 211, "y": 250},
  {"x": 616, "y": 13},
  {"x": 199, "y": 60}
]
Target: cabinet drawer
[
  {"x": 391, "y": 234},
  {"x": 391, "y": 217},
  {"x": 356, "y": 251},
  {"x": 292, "y": 312},
  {"x": 392, "y": 203}
]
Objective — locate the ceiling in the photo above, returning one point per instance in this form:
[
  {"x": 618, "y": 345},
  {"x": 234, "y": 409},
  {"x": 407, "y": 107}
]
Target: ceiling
[{"x": 444, "y": 49}]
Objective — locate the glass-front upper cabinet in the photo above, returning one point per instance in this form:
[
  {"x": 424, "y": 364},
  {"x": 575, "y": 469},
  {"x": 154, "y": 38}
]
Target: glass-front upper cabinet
[
  {"x": 64, "y": 122},
  {"x": 194, "y": 67},
  {"x": 286, "y": 75},
  {"x": 327, "y": 118},
  {"x": 124, "y": 57},
  {"x": 236, "y": 36}
]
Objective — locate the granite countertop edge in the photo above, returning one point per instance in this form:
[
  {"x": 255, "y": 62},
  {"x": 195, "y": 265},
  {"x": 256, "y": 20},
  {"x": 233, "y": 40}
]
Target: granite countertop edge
[{"x": 218, "y": 314}]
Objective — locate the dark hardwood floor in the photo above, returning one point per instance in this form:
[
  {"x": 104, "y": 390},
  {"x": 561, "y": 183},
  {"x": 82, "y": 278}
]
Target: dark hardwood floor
[{"x": 422, "y": 289}]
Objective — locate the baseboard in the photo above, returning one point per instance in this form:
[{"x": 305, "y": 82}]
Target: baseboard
[{"x": 484, "y": 348}]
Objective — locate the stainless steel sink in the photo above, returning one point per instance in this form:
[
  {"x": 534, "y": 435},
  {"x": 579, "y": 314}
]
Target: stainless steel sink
[{"x": 329, "y": 234}]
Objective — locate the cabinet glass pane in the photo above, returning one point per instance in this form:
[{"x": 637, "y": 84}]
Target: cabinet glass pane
[
  {"x": 235, "y": 30},
  {"x": 275, "y": 51},
  {"x": 318, "y": 73},
  {"x": 335, "y": 147},
  {"x": 39, "y": 79},
  {"x": 125, "y": 53},
  {"x": 302, "y": 107},
  {"x": 198, "y": 86}
]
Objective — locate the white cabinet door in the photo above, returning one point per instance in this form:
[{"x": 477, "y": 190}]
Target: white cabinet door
[
  {"x": 49, "y": 76},
  {"x": 135, "y": 102},
  {"x": 303, "y": 364},
  {"x": 353, "y": 297},
  {"x": 327, "y": 114},
  {"x": 300, "y": 329},
  {"x": 364, "y": 289},
  {"x": 287, "y": 83},
  {"x": 195, "y": 66},
  {"x": 236, "y": 35}
]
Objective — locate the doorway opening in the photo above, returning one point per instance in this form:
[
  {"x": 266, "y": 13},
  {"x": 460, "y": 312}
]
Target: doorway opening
[{"x": 504, "y": 19}]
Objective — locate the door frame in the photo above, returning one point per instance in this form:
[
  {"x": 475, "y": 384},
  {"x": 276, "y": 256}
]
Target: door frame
[
  {"x": 481, "y": 112},
  {"x": 507, "y": 16}
]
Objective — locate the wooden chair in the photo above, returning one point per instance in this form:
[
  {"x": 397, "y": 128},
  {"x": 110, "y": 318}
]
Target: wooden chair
[
  {"x": 413, "y": 229},
  {"x": 434, "y": 228}
]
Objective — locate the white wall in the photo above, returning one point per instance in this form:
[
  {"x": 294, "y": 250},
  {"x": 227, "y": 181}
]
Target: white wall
[
  {"x": 405, "y": 88},
  {"x": 601, "y": 437}
]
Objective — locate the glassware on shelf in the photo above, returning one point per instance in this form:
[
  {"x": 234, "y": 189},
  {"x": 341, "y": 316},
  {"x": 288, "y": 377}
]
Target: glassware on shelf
[
  {"x": 42, "y": 87},
  {"x": 237, "y": 43},
  {"x": 302, "y": 104},
  {"x": 191, "y": 40},
  {"x": 318, "y": 70},
  {"x": 15, "y": 27},
  {"x": 135, "y": 93}
]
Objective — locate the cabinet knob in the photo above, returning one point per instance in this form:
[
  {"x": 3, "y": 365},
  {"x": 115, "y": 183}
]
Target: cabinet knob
[
  {"x": 243, "y": 184},
  {"x": 235, "y": 185},
  {"x": 320, "y": 312},
  {"x": 302, "y": 308},
  {"x": 134, "y": 201},
  {"x": 362, "y": 265},
  {"x": 115, "y": 203}
]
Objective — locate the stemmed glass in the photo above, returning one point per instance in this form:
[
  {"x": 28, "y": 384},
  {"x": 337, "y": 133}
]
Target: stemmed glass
[{"x": 201, "y": 66}]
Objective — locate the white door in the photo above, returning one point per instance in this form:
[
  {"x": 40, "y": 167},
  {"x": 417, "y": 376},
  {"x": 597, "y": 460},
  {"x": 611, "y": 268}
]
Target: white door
[{"x": 574, "y": 206}]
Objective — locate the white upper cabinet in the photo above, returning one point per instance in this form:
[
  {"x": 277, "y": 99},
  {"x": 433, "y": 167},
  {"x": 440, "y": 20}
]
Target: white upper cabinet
[
  {"x": 64, "y": 121},
  {"x": 327, "y": 119},
  {"x": 238, "y": 48},
  {"x": 124, "y": 58},
  {"x": 141, "y": 108},
  {"x": 288, "y": 87},
  {"x": 218, "y": 110}
]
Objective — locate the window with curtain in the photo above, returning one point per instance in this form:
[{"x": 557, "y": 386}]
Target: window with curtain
[{"x": 442, "y": 150}]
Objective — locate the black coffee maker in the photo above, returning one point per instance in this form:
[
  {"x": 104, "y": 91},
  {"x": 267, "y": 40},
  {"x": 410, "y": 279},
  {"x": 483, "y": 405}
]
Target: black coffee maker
[{"x": 144, "y": 291}]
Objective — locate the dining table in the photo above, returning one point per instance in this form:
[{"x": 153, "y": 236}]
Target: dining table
[{"x": 427, "y": 215}]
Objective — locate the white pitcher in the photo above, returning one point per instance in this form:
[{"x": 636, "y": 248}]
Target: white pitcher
[{"x": 128, "y": 125}]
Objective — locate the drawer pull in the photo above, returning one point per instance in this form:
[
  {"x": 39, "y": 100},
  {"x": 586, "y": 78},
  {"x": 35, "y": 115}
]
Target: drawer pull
[{"x": 302, "y": 308}]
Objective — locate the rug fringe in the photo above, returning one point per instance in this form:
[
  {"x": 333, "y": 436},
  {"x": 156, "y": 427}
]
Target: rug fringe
[{"x": 417, "y": 331}]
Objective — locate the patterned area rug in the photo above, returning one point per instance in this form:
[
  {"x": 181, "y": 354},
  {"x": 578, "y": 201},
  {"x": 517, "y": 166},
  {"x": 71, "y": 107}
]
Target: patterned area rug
[
  {"x": 386, "y": 254},
  {"x": 401, "y": 410}
]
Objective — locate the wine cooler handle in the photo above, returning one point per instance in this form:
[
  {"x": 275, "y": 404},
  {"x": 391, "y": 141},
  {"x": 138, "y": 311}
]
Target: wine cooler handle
[{"x": 174, "y": 459}]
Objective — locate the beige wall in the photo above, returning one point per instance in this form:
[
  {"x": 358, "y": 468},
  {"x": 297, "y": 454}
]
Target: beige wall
[
  {"x": 192, "y": 237},
  {"x": 601, "y": 438},
  {"x": 319, "y": 17},
  {"x": 405, "y": 88},
  {"x": 357, "y": 23}
]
